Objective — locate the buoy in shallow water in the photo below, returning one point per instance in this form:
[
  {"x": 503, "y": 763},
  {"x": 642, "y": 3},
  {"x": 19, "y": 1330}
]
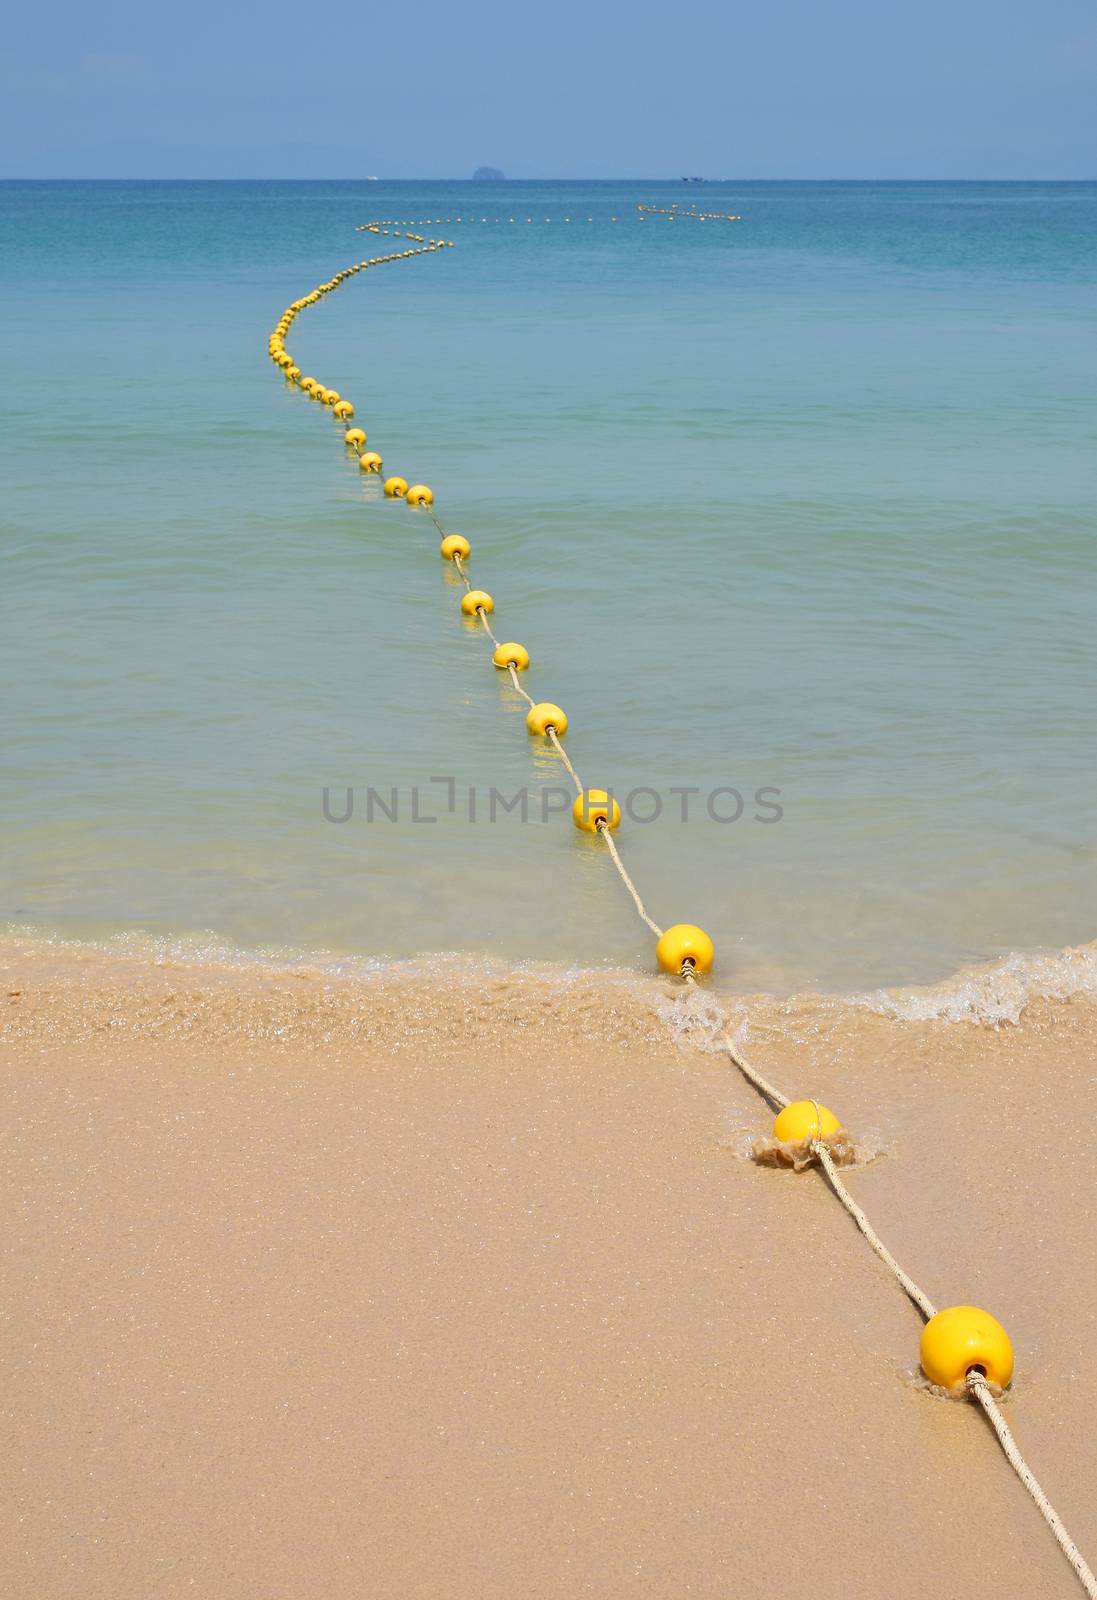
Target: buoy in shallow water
[
  {"x": 370, "y": 461},
  {"x": 476, "y": 600},
  {"x": 355, "y": 438},
  {"x": 455, "y": 544},
  {"x": 684, "y": 943},
  {"x": 544, "y": 716},
  {"x": 395, "y": 487},
  {"x": 420, "y": 495},
  {"x": 511, "y": 655},
  {"x": 961, "y": 1338},
  {"x": 594, "y": 806},
  {"x": 805, "y": 1119}
]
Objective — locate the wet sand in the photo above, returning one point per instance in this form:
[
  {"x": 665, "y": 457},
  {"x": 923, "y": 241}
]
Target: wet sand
[{"x": 324, "y": 1287}]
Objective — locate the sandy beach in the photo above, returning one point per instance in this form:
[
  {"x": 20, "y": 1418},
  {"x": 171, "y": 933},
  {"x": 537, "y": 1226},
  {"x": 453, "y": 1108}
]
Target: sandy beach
[{"x": 320, "y": 1286}]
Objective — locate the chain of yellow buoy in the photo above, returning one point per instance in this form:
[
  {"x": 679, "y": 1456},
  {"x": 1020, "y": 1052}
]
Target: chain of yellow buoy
[
  {"x": 678, "y": 948},
  {"x": 963, "y": 1349}
]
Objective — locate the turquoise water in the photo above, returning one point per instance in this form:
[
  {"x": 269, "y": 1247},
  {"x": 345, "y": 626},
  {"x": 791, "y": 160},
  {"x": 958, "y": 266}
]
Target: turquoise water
[{"x": 801, "y": 503}]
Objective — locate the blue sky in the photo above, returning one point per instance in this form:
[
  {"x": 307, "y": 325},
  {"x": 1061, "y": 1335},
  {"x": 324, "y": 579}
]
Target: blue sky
[{"x": 792, "y": 88}]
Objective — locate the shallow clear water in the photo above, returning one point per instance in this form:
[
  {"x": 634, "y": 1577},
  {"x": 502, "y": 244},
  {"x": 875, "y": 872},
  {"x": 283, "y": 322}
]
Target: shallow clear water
[{"x": 803, "y": 502}]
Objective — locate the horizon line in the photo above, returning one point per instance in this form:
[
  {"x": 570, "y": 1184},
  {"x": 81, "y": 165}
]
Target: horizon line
[{"x": 503, "y": 182}]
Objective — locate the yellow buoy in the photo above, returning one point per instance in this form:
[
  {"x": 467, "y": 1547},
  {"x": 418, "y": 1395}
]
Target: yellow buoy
[
  {"x": 544, "y": 716},
  {"x": 594, "y": 806},
  {"x": 370, "y": 461},
  {"x": 321, "y": 394},
  {"x": 455, "y": 544},
  {"x": 684, "y": 943},
  {"x": 511, "y": 655},
  {"x": 961, "y": 1338},
  {"x": 293, "y": 373},
  {"x": 355, "y": 436},
  {"x": 395, "y": 487},
  {"x": 332, "y": 397},
  {"x": 342, "y": 409},
  {"x": 420, "y": 495},
  {"x": 308, "y": 384},
  {"x": 476, "y": 600},
  {"x": 804, "y": 1119}
]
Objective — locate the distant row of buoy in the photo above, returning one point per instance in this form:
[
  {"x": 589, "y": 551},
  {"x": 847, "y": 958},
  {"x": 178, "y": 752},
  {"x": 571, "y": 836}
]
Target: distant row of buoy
[
  {"x": 674, "y": 212},
  {"x": 642, "y": 212},
  {"x": 438, "y": 222}
]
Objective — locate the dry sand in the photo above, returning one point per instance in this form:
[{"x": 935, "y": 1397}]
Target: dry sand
[{"x": 320, "y": 1287}]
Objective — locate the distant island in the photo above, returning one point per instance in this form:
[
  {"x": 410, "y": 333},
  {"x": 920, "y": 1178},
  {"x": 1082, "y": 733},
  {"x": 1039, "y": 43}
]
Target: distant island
[{"x": 488, "y": 175}]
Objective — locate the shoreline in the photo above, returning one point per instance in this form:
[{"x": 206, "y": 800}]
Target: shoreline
[{"x": 67, "y": 980}]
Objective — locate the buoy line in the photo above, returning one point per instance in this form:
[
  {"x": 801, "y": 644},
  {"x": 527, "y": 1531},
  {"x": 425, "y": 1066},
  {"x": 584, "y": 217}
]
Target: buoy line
[
  {"x": 963, "y": 1349},
  {"x": 642, "y": 211},
  {"x": 679, "y": 948},
  {"x": 698, "y": 216},
  {"x": 437, "y": 222}
]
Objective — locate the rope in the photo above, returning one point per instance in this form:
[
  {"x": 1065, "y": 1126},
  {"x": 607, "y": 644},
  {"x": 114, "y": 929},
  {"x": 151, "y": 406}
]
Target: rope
[
  {"x": 921, "y": 1299},
  {"x": 513, "y": 670},
  {"x": 980, "y": 1388},
  {"x": 562, "y": 753},
  {"x": 482, "y": 614},
  {"x": 626, "y": 880}
]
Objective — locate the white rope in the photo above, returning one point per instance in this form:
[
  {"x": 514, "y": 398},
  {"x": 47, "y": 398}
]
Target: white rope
[
  {"x": 562, "y": 753},
  {"x": 921, "y": 1299},
  {"x": 980, "y": 1388},
  {"x": 513, "y": 670},
  {"x": 753, "y": 1076},
  {"x": 626, "y": 880}
]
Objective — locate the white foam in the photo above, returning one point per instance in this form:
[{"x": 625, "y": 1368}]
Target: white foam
[
  {"x": 994, "y": 995},
  {"x": 997, "y": 994},
  {"x": 694, "y": 1016}
]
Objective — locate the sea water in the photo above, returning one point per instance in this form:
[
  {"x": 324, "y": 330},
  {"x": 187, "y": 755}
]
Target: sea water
[{"x": 795, "y": 515}]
